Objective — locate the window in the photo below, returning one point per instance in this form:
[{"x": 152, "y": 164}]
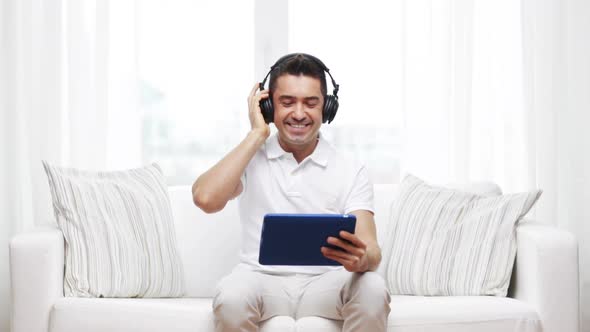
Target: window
[
  {"x": 197, "y": 62},
  {"x": 356, "y": 42},
  {"x": 196, "y": 65}
]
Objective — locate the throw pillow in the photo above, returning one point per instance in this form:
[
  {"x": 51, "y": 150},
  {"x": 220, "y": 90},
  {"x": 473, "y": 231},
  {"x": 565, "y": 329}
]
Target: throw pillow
[
  {"x": 444, "y": 241},
  {"x": 119, "y": 232}
]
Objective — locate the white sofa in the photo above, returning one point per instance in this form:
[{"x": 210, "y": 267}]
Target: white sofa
[{"x": 543, "y": 293}]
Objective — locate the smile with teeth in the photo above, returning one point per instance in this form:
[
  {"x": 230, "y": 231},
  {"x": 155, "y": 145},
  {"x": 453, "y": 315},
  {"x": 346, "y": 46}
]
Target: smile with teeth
[{"x": 298, "y": 125}]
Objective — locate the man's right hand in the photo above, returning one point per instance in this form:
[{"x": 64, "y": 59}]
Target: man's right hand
[{"x": 255, "y": 114}]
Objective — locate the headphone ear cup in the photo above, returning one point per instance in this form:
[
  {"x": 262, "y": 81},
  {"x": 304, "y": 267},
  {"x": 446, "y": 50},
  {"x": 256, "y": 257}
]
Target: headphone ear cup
[
  {"x": 330, "y": 108},
  {"x": 267, "y": 110}
]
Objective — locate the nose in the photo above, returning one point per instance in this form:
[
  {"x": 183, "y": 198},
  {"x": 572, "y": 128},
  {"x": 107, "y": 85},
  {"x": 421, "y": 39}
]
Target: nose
[{"x": 298, "y": 113}]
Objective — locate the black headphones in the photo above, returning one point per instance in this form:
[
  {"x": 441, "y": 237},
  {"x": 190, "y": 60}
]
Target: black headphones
[{"x": 330, "y": 102}]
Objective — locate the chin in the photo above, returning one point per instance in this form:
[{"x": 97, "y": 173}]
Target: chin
[{"x": 298, "y": 140}]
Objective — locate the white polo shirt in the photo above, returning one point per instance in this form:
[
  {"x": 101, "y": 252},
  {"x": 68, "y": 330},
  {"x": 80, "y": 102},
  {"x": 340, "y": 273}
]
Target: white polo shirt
[{"x": 327, "y": 181}]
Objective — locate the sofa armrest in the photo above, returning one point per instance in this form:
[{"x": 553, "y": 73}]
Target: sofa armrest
[
  {"x": 36, "y": 276},
  {"x": 546, "y": 275}
]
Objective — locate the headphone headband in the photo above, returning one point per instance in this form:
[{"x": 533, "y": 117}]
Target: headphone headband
[{"x": 313, "y": 58}]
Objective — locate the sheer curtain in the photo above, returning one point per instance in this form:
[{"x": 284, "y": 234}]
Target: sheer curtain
[
  {"x": 66, "y": 68},
  {"x": 463, "y": 96},
  {"x": 498, "y": 90}
]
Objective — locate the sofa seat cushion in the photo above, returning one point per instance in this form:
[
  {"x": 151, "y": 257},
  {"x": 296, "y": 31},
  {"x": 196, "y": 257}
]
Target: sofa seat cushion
[
  {"x": 461, "y": 313},
  {"x": 408, "y": 314},
  {"x": 71, "y": 314},
  {"x": 446, "y": 314}
]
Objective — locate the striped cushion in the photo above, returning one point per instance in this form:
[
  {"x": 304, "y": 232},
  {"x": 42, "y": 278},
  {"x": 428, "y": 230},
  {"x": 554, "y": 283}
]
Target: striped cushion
[
  {"x": 119, "y": 232},
  {"x": 445, "y": 241}
]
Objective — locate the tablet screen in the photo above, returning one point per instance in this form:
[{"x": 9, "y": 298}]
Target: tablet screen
[{"x": 296, "y": 239}]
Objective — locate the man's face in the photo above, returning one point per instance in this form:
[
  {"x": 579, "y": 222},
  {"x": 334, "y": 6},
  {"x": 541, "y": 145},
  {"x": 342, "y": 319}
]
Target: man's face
[{"x": 298, "y": 104}]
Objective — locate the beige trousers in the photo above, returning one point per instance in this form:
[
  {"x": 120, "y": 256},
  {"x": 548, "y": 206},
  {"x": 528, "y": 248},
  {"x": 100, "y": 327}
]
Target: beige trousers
[{"x": 245, "y": 298}]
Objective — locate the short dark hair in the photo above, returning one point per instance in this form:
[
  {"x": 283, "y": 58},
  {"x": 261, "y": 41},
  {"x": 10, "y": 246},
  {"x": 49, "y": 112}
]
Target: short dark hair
[{"x": 299, "y": 64}]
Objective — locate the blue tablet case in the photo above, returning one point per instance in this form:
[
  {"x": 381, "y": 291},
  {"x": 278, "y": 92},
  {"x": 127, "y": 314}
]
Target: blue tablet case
[{"x": 296, "y": 239}]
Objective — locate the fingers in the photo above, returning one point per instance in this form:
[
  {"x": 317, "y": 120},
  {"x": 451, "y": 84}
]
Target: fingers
[
  {"x": 254, "y": 113},
  {"x": 253, "y": 94},
  {"x": 339, "y": 256},
  {"x": 346, "y": 263},
  {"x": 359, "y": 252},
  {"x": 354, "y": 239},
  {"x": 254, "y": 108},
  {"x": 351, "y": 265},
  {"x": 254, "y": 88}
]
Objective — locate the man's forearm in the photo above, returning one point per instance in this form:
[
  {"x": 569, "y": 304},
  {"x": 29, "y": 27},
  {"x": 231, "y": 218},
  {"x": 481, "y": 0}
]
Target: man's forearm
[{"x": 215, "y": 187}]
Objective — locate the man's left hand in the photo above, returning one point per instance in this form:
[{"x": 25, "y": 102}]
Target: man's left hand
[{"x": 354, "y": 258}]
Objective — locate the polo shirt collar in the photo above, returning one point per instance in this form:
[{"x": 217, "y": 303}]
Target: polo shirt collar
[{"x": 318, "y": 156}]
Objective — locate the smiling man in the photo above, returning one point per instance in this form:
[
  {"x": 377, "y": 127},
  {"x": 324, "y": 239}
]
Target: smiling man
[{"x": 296, "y": 171}]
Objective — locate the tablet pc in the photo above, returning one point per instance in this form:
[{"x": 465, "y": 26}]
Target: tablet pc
[{"x": 296, "y": 239}]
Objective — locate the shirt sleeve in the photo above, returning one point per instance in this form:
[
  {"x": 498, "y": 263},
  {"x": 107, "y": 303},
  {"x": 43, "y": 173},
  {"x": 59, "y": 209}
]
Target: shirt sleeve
[{"x": 361, "y": 193}]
